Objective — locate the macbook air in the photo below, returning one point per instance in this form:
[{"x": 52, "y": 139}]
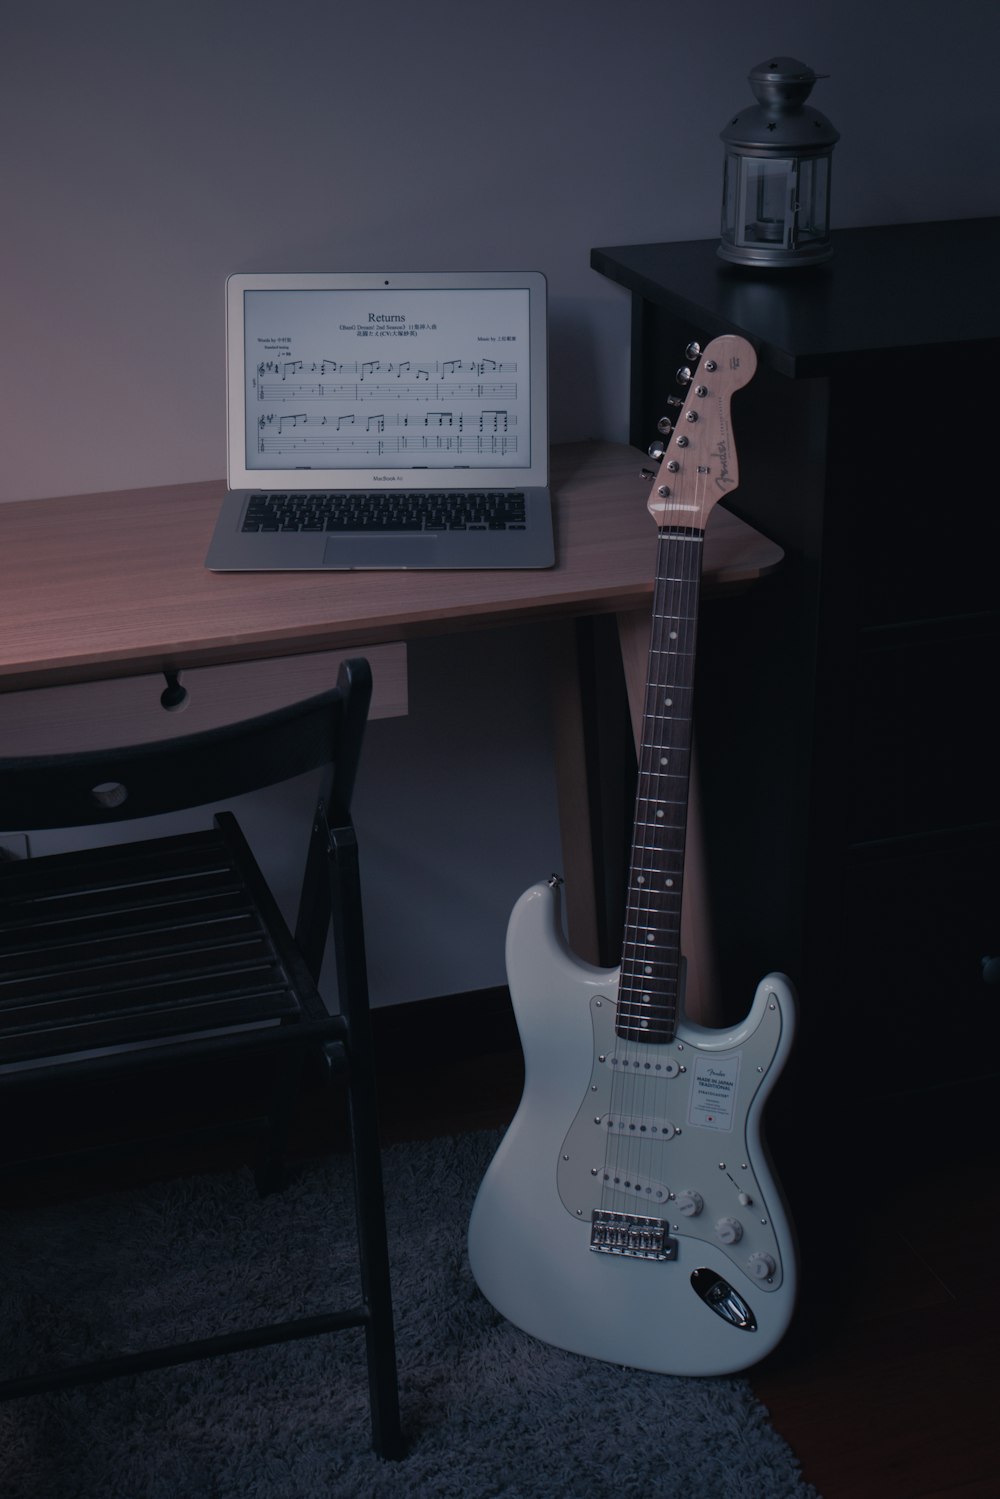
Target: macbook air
[{"x": 386, "y": 421}]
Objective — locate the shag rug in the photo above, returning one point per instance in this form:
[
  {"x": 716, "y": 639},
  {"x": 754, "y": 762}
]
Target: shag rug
[{"x": 489, "y": 1412}]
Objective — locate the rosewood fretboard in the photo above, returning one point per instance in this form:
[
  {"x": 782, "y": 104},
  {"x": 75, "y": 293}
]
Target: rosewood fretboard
[{"x": 649, "y": 988}]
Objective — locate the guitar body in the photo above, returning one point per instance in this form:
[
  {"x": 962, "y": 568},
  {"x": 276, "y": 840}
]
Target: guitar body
[
  {"x": 630, "y": 1212},
  {"x": 637, "y": 1138}
]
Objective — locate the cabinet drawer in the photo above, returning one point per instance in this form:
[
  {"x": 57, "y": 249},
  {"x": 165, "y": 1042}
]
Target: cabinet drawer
[
  {"x": 919, "y": 919},
  {"x": 923, "y": 750}
]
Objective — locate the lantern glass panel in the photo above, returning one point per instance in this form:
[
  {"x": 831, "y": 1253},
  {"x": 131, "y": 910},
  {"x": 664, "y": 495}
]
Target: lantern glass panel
[
  {"x": 767, "y": 202},
  {"x": 730, "y": 198},
  {"x": 814, "y": 199}
]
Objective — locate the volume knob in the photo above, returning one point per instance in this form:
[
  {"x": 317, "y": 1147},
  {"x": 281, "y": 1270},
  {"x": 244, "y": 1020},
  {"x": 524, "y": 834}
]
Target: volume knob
[
  {"x": 730, "y": 1230},
  {"x": 690, "y": 1203}
]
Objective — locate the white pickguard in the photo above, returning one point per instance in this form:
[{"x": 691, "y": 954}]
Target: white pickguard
[{"x": 637, "y": 1129}]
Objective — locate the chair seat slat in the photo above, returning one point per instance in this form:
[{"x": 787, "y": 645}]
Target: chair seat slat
[
  {"x": 141, "y": 993},
  {"x": 45, "y": 952},
  {"x": 118, "y": 862},
  {"x": 113, "y": 971},
  {"x": 101, "y": 901},
  {"x": 90, "y": 1032}
]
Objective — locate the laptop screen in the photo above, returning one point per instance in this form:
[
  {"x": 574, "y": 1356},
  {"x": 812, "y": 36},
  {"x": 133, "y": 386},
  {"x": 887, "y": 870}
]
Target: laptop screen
[{"x": 339, "y": 381}]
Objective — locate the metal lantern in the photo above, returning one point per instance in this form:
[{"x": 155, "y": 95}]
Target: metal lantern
[{"x": 776, "y": 193}]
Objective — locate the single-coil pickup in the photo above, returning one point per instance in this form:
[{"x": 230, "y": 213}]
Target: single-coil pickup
[
  {"x": 639, "y": 1128},
  {"x": 646, "y": 1061},
  {"x": 634, "y": 1184}
]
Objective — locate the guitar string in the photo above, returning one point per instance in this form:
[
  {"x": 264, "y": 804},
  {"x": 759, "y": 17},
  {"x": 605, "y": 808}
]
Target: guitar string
[
  {"x": 666, "y": 859},
  {"x": 651, "y": 904},
  {"x": 623, "y": 1090},
  {"x": 637, "y": 1094}
]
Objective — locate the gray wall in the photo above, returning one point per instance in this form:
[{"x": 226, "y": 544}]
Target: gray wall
[{"x": 152, "y": 149}]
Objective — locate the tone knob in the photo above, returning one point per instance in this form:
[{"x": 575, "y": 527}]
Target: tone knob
[
  {"x": 730, "y": 1230},
  {"x": 761, "y": 1266},
  {"x": 690, "y": 1203}
]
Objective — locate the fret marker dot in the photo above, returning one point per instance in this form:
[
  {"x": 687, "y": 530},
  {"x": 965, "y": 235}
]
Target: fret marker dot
[
  {"x": 650, "y": 936},
  {"x": 669, "y": 702},
  {"x": 660, "y": 812},
  {"x": 669, "y": 883},
  {"x": 663, "y": 760},
  {"x": 641, "y": 880},
  {"x": 648, "y": 968},
  {"x": 673, "y": 634}
]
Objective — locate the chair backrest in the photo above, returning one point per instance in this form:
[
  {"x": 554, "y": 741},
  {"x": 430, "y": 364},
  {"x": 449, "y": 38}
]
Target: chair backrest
[{"x": 117, "y": 785}]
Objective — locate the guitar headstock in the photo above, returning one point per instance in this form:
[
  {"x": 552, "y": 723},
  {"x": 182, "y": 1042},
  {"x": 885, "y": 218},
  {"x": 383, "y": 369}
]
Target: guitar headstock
[{"x": 696, "y": 450}]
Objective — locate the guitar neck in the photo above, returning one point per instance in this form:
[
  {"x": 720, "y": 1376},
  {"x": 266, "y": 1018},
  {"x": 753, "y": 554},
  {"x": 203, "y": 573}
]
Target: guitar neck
[
  {"x": 698, "y": 468},
  {"x": 649, "y": 986}
]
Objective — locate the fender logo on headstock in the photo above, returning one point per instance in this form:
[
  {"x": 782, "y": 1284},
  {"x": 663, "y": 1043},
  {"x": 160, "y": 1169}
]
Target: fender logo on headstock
[
  {"x": 698, "y": 463},
  {"x": 725, "y": 479}
]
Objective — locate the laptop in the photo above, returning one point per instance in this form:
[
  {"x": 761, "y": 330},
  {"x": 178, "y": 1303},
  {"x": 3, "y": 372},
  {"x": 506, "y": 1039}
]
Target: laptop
[{"x": 386, "y": 421}]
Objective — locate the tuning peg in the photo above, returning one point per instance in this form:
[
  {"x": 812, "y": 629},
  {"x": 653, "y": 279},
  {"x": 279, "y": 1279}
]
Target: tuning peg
[
  {"x": 665, "y": 425},
  {"x": 684, "y": 376},
  {"x": 656, "y": 451},
  {"x": 674, "y": 401},
  {"x": 648, "y": 474},
  {"x": 693, "y": 350}
]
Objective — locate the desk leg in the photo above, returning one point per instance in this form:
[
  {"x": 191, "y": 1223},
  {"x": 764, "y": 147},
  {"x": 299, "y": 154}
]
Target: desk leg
[
  {"x": 701, "y": 999},
  {"x": 569, "y": 732}
]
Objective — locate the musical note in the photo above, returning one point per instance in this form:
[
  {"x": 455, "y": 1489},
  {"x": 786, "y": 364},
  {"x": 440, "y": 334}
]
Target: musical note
[
  {"x": 380, "y": 446},
  {"x": 494, "y": 421},
  {"x": 300, "y": 390}
]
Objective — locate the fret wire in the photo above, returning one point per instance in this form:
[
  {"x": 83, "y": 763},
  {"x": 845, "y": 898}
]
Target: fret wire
[{"x": 647, "y": 1002}]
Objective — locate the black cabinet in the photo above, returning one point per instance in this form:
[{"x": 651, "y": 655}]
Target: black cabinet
[{"x": 848, "y": 707}]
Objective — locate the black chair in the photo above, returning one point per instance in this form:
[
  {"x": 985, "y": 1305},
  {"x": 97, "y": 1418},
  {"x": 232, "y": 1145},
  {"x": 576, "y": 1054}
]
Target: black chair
[{"x": 171, "y": 952}]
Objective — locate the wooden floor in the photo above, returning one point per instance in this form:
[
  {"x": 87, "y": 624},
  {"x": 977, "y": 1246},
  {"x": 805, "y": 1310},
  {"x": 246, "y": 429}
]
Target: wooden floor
[
  {"x": 887, "y": 1385},
  {"x": 888, "y": 1388}
]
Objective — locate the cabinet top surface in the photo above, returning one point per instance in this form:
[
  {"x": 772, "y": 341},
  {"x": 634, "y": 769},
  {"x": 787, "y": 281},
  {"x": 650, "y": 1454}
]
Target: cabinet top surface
[{"x": 891, "y": 288}]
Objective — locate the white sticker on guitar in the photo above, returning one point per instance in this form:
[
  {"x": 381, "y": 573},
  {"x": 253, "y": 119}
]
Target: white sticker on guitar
[{"x": 713, "y": 1092}]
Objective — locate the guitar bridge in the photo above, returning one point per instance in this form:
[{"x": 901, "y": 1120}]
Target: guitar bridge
[{"x": 632, "y": 1235}]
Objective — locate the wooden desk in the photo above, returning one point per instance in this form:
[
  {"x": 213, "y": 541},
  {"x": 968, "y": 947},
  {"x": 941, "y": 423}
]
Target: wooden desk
[{"x": 114, "y": 585}]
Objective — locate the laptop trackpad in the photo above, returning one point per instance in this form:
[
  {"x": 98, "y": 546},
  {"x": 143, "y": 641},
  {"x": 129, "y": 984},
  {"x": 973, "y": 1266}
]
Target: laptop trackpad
[{"x": 408, "y": 550}]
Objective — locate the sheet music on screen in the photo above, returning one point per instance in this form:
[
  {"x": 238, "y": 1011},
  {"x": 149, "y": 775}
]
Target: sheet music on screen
[{"x": 413, "y": 377}]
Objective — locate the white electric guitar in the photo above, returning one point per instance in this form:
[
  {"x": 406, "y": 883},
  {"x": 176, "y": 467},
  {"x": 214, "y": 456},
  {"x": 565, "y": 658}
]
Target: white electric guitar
[{"x": 630, "y": 1212}]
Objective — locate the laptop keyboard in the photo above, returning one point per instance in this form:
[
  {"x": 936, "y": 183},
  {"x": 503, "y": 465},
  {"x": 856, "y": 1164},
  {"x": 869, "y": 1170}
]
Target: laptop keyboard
[{"x": 420, "y": 511}]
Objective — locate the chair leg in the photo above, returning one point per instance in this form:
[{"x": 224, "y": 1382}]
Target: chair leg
[
  {"x": 271, "y": 1170},
  {"x": 387, "y": 1437}
]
